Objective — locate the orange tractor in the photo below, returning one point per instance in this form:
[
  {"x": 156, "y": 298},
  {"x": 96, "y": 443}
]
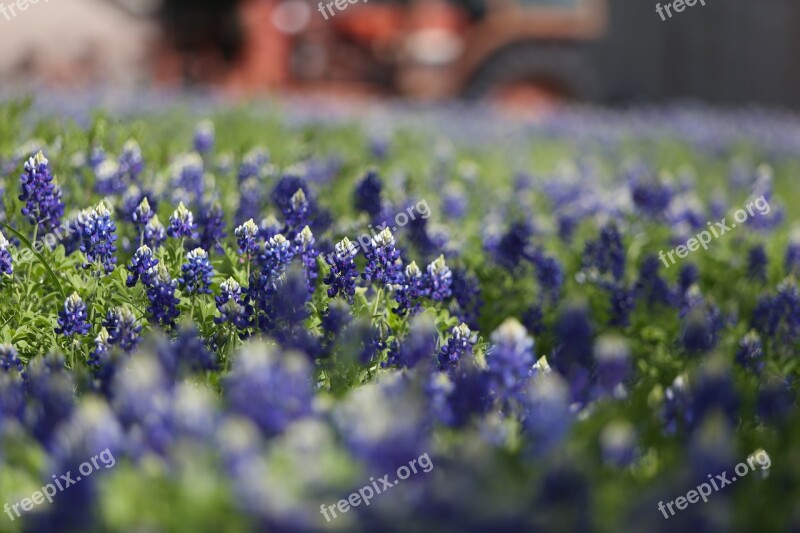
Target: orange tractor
[{"x": 425, "y": 49}]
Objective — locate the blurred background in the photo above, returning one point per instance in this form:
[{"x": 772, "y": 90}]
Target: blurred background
[{"x": 512, "y": 51}]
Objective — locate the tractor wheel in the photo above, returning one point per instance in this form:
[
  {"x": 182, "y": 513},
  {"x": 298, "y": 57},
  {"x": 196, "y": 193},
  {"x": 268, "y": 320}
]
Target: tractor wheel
[{"x": 533, "y": 70}]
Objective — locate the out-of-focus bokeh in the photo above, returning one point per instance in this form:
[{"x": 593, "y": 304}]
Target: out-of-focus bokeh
[{"x": 606, "y": 51}]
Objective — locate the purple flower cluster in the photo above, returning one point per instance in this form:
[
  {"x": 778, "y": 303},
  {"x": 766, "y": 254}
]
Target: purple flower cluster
[
  {"x": 196, "y": 273},
  {"x": 343, "y": 272},
  {"x": 123, "y": 331},
  {"x": 97, "y": 232},
  {"x": 42, "y": 197},
  {"x": 72, "y": 319}
]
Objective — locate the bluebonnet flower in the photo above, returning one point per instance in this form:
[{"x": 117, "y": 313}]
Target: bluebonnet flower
[
  {"x": 204, "y": 137},
  {"x": 457, "y": 349},
  {"x": 250, "y": 200},
  {"x": 304, "y": 241},
  {"x": 291, "y": 296},
  {"x": 142, "y": 266},
  {"x": 161, "y": 294},
  {"x": 181, "y": 223},
  {"x": 6, "y": 265},
  {"x": 613, "y": 360},
  {"x": 779, "y": 316},
  {"x": 233, "y": 307},
  {"x": 533, "y": 319},
  {"x": 688, "y": 276},
  {"x": 549, "y": 273},
  {"x": 623, "y": 301},
  {"x": 650, "y": 286},
  {"x": 751, "y": 354},
  {"x": 186, "y": 355},
  {"x": 776, "y": 400},
  {"x": 72, "y": 319},
  {"x": 467, "y": 296},
  {"x": 419, "y": 347},
  {"x": 122, "y": 329},
  {"x": 454, "y": 201},
  {"x": 509, "y": 358},
  {"x": 108, "y": 178},
  {"x": 270, "y": 388},
  {"x": 98, "y": 357},
  {"x": 792, "y": 259},
  {"x": 757, "y": 263},
  {"x": 618, "y": 443},
  {"x": 9, "y": 360},
  {"x": 196, "y": 272},
  {"x": 714, "y": 390},
  {"x": 143, "y": 214},
  {"x": 131, "y": 199},
  {"x": 252, "y": 163},
  {"x": 343, "y": 272},
  {"x": 651, "y": 197},
  {"x": 247, "y": 238},
  {"x": 187, "y": 174},
  {"x": 676, "y": 411},
  {"x": 269, "y": 227},
  {"x": 335, "y": 317},
  {"x": 42, "y": 197},
  {"x": 367, "y": 195},
  {"x": 439, "y": 280},
  {"x": 698, "y": 330},
  {"x": 98, "y": 237},
  {"x": 511, "y": 248},
  {"x": 383, "y": 260},
  {"x": 276, "y": 256},
  {"x": 410, "y": 291},
  {"x": 211, "y": 223},
  {"x": 296, "y": 213},
  {"x": 606, "y": 254},
  {"x": 546, "y": 416},
  {"x": 154, "y": 233},
  {"x": 574, "y": 333},
  {"x": 96, "y": 156},
  {"x": 130, "y": 160}
]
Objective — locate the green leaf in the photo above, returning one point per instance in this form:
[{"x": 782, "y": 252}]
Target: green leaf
[{"x": 25, "y": 240}]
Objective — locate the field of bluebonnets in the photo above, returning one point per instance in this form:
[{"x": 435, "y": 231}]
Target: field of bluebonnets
[{"x": 252, "y": 317}]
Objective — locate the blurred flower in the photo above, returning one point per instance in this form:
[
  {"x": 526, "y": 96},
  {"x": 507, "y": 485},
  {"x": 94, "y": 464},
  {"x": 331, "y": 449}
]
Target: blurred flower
[
  {"x": 367, "y": 195},
  {"x": 211, "y": 225},
  {"x": 204, "y": 137},
  {"x": 750, "y": 354},
  {"x": 154, "y": 233},
  {"x": 439, "y": 280},
  {"x": 272, "y": 389}
]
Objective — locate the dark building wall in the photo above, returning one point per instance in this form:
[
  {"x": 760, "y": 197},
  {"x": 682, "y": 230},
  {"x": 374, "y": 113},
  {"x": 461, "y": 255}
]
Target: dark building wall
[{"x": 730, "y": 51}]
